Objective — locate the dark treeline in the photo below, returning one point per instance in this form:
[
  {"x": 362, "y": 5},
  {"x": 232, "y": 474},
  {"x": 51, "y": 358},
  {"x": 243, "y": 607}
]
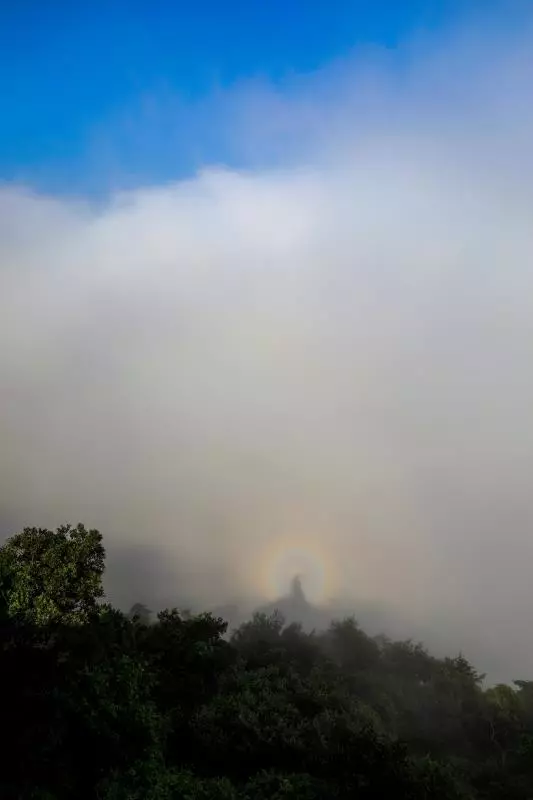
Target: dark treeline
[{"x": 101, "y": 704}]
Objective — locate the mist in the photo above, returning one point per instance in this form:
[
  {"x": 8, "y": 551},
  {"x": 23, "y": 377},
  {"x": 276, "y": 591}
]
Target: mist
[{"x": 319, "y": 362}]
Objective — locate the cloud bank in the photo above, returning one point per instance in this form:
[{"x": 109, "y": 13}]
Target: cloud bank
[{"x": 331, "y": 353}]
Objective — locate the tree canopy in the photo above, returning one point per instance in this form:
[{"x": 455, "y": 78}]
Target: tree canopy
[
  {"x": 54, "y": 576},
  {"x": 101, "y": 704}
]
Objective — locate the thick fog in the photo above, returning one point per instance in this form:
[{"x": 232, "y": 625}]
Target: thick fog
[{"x": 321, "y": 364}]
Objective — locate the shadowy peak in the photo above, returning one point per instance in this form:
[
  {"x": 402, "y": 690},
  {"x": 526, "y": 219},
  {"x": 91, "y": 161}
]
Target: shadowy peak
[{"x": 297, "y": 592}]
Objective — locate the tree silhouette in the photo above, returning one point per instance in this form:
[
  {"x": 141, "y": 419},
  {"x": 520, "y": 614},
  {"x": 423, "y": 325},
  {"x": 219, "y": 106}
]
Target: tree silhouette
[{"x": 99, "y": 704}]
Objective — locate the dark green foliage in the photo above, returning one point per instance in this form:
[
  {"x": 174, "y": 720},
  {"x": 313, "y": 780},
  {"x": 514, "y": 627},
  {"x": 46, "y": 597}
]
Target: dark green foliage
[
  {"x": 99, "y": 704},
  {"x": 54, "y": 576}
]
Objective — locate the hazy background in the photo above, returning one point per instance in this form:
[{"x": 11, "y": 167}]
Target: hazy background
[{"x": 331, "y": 351}]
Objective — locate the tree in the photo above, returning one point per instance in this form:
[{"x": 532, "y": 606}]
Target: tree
[
  {"x": 503, "y": 711},
  {"x": 141, "y": 613},
  {"x": 350, "y": 647},
  {"x": 126, "y": 708},
  {"x": 53, "y": 576}
]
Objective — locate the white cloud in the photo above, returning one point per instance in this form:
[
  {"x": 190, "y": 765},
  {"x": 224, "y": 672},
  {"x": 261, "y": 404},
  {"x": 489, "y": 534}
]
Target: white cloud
[{"x": 340, "y": 349}]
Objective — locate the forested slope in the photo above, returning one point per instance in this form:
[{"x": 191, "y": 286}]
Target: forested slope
[{"x": 100, "y": 704}]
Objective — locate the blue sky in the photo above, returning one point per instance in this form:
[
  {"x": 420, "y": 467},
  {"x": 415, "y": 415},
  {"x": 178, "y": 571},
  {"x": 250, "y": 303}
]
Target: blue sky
[{"x": 102, "y": 94}]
